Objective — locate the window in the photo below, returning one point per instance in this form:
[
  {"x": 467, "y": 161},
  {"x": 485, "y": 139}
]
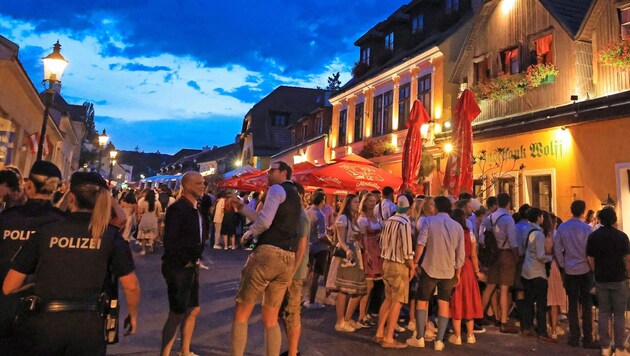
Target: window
[
  {"x": 478, "y": 188},
  {"x": 451, "y": 6},
  {"x": 403, "y": 105},
  {"x": 279, "y": 120},
  {"x": 304, "y": 132},
  {"x": 293, "y": 138},
  {"x": 507, "y": 185},
  {"x": 365, "y": 55},
  {"x": 539, "y": 189},
  {"x": 388, "y": 99},
  {"x": 543, "y": 50},
  {"x": 511, "y": 61},
  {"x": 358, "y": 122},
  {"x": 482, "y": 71},
  {"x": 378, "y": 116},
  {"x": 389, "y": 41},
  {"x": 625, "y": 23},
  {"x": 424, "y": 91},
  {"x": 417, "y": 23},
  {"x": 319, "y": 124},
  {"x": 343, "y": 121}
]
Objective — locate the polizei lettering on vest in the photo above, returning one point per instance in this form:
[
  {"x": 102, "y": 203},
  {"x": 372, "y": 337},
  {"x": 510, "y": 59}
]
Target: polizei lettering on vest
[
  {"x": 84, "y": 243},
  {"x": 17, "y": 234}
]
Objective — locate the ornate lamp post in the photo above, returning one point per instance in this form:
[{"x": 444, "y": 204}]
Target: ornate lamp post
[
  {"x": 54, "y": 65},
  {"x": 112, "y": 163},
  {"x": 102, "y": 142}
]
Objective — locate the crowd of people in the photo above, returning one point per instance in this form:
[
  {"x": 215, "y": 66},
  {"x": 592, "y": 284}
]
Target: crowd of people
[{"x": 442, "y": 267}]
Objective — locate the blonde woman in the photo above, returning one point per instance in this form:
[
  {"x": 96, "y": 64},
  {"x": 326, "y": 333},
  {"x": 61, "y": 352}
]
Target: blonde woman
[
  {"x": 350, "y": 277},
  {"x": 370, "y": 227}
]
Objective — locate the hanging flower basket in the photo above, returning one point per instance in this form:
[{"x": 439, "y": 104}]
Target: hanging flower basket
[
  {"x": 616, "y": 55},
  {"x": 377, "y": 148},
  {"x": 540, "y": 74},
  {"x": 427, "y": 166}
]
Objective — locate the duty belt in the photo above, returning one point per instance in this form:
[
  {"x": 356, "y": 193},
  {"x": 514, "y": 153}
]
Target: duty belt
[{"x": 57, "y": 306}]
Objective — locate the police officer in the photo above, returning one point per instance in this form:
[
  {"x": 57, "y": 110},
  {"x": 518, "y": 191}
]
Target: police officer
[
  {"x": 17, "y": 224},
  {"x": 70, "y": 260}
]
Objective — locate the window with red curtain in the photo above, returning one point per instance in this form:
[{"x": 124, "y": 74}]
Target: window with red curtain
[
  {"x": 511, "y": 61},
  {"x": 481, "y": 71},
  {"x": 543, "y": 48},
  {"x": 625, "y": 23}
]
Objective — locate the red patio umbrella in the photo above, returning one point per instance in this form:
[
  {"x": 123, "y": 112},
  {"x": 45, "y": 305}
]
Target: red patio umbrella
[
  {"x": 239, "y": 183},
  {"x": 459, "y": 169},
  {"x": 412, "y": 150},
  {"x": 348, "y": 175}
]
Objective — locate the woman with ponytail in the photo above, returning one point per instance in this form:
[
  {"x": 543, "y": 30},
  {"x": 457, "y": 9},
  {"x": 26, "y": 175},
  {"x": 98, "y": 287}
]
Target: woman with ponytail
[{"x": 71, "y": 261}]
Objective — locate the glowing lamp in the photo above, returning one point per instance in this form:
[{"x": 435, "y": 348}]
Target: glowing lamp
[{"x": 54, "y": 64}]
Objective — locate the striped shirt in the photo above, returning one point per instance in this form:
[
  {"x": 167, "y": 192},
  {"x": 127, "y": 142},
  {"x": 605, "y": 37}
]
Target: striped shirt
[{"x": 396, "y": 242}]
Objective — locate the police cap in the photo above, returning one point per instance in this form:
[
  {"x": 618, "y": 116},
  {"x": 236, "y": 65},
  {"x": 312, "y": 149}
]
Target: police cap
[
  {"x": 45, "y": 168},
  {"x": 79, "y": 178}
]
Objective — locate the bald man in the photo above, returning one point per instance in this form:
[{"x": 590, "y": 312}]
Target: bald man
[{"x": 183, "y": 245}]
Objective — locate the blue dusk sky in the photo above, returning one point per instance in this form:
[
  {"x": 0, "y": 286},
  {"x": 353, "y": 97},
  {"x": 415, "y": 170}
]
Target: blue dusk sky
[{"x": 165, "y": 75}]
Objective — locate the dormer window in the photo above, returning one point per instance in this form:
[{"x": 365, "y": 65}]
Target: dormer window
[
  {"x": 279, "y": 120},
  {"x": 511, "y": 60},
  {"x": 417, "y": 24},
  {"x": 451, "y": 6},
  {"x": 389, "y": 41},
  {"x": 304, "y": 132},
  {"x": 365, "y": 55}
]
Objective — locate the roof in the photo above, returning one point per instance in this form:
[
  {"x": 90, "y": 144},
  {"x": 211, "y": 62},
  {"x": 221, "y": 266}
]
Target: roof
[
  {"x": 292, "y": 101},
  {"x": 434, "y": 39},
  {"x": 183, "y": 153},
  {"x": 570, "y": 13},
  {"x": 217, "y": 153}
]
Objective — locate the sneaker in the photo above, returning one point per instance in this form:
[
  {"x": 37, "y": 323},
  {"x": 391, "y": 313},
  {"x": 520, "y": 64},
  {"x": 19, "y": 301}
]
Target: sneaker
[
  {"x": 479, "y": 329},
  {"x": 439, "y": 345},
  {"x": 233, "y": 247},
  {"x": 453, "y": 339},
  {"x": 313, "y": 306},
  {"x": 216, "y": 247},
  {"x": 354, "y": 324},
  {"x": 606, "y": 352},
  {"x": 546, "y": 338},
  {"x": 411, "y": 326},
  {"x": 399, "y": 329},
  {"x": 431, "y": 326},
  {"x": 344, "y": 328},
  {"x": 189, "y": 354},
  {"x": 470, "y": 339},
  {"x": 413, "y": 342},
  {"x": 368, "y": 318},
  {"x": 225, "y": 248},
  {"x": 365, "y": 323},
  {"x": 429, "y": 335},
  {"x": 248, "y": 248}
]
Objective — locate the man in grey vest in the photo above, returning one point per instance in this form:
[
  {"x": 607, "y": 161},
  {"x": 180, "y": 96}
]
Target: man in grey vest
[{"x": 270, "y": 268}]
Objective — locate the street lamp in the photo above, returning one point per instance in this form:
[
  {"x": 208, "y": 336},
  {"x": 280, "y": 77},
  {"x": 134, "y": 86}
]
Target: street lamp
[
  {"x": 54, "y": 65},
  {"x": 112, "y": 163},
  {"x": 102, "y": 142}
]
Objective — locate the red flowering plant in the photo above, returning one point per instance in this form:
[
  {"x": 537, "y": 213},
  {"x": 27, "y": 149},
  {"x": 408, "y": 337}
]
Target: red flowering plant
[
  {"x": 538, "y": 74},
  {"x": 616, "y": 55},
  {"x": 501, "y": 88}
]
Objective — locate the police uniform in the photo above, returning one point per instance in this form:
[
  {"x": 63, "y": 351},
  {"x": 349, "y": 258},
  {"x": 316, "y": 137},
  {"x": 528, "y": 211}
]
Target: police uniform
[
  {"x": 17, "y": 225},
  {"x": 70, "y": 270}
]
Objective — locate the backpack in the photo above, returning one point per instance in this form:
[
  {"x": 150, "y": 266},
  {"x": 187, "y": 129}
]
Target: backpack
[{"x": 488, "y": 253}]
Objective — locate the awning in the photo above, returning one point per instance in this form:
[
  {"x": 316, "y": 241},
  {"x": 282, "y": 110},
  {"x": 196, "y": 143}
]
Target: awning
[{"x": 239, "y": 171}]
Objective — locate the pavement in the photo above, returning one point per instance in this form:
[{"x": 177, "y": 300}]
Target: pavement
[{"x": 218, "y": 287}]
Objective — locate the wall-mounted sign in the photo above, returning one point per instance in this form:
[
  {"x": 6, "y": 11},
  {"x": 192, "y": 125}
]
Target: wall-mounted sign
[{"x": 550, "y": 149}]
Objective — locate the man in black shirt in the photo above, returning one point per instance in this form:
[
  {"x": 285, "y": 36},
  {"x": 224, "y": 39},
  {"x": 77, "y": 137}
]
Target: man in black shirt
[
  {"x": 608, "y": 254},
  {"x": 183, "y": 245}
]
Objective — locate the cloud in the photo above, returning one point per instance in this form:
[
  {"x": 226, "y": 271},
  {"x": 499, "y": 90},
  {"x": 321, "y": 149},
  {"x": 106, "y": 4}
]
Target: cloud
[{"x": 133, "y": 67}]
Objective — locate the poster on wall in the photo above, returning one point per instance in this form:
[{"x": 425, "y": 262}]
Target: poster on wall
[{"x": 7, "y": 136}]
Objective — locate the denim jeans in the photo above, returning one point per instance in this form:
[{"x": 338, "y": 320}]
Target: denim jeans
[
  {"x": 612, "y": 298},
  {"x": 578, "y": 288},
  {"x": 535, "y": 291}
]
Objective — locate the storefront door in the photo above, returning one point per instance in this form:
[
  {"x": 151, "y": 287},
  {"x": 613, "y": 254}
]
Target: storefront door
[{"x": 540, "y": 192}]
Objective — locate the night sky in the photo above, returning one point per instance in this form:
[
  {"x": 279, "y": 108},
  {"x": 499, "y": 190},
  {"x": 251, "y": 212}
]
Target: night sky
[{"x": 165, "y": 75}]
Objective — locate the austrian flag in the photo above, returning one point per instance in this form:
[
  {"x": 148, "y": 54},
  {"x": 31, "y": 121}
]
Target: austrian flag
[{"x": 33, "y": 143}]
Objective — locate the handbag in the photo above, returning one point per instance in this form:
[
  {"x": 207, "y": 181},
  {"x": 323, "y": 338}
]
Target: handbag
[{"x": 339, "y": 252}]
